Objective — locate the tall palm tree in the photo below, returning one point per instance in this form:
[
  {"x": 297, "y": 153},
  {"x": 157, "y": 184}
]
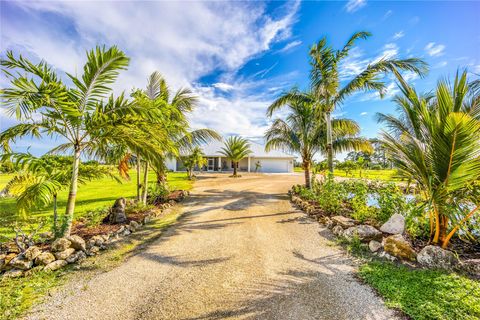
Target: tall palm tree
[
  {"x": 326, "y": 78},
  {"x": 236, "y": 148},
  {"x": 436, "y": 143},
  {"x": 84, "y": 115},
  {"x": 304, "y": 130},
  {"x": 173, "y": 110},
  {"x": 38, "y": 181}
]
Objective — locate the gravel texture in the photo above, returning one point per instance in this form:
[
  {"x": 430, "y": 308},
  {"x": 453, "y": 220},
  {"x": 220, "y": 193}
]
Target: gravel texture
[{"x": 241, "y": 252}]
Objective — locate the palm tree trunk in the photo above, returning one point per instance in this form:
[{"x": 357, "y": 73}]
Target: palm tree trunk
[
  {"x": 329, "y": 142},
  {"x": 235, "y": 169},
  {"x": 145, "y": 184},
  {"x": 138, "y": 178},
  {"x": 306, "y": 170},
  {"x": 72, "y": 194},
  {"x": 55, "y": 215}
]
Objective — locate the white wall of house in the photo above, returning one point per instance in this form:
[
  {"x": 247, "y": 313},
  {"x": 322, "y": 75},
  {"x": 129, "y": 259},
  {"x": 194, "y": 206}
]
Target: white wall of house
[
  {"x": 272, "y": 165},
  {"x": 171, "y": 164}
]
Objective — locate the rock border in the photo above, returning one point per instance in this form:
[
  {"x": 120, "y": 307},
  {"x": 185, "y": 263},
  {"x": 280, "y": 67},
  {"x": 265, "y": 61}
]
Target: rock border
[
  {"x": 69, "y": 250},
  {"x": 389, "y": 242}
]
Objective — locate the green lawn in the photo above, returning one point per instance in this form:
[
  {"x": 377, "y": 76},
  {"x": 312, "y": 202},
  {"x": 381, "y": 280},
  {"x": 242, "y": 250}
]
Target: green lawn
[
  {"x": 388, "y": 175},
  {"x": 424, "y": 294},
  {"x": 91, "y": 196}
]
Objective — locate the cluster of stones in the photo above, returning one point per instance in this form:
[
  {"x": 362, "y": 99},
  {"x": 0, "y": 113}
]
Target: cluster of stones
[
  {"x": 62, "y": 251},
  {"x": 389, "y": 242},
  {"x": 73, "y": 249}
]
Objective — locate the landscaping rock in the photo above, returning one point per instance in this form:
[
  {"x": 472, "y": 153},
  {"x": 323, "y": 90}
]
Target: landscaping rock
[
  {"x": 44, "y": 258},
  {"x": 64, "y": 254},
  {"x": 385, "y": 255},
  {"x": 97, "y": 240},
  {"x": 338, "y": 231},
  {"x": 134, "y": 225},
  {"x": 471, "y": 266},
  {"x": 76, "y": 257},
  {"x": 344, "y": 222},
  {"x": 61, "y": 244},
  {"x": 20, "y": 262},
  {"x": 46, "y": 235},
  {"x": 364, "y": 232},
  {"x": 31, "y": 253},
  {"x": 55, "y": 265},
  {"x": 77, "y": 243},
  {"x": 397, "y": 246},
  {"x": 117, "y": 213},
  {"x": 13, "y": 273},
  {"x": 436, "y": 257},
  {"x": 93, "y": 251},
  {"x": 329, "y": 223},
  {"x": 394, "y": 225},
  {"x": 374, "y": 245},
  {"x": 10, "y": 247},
  {"x": 9, "y": 257}
]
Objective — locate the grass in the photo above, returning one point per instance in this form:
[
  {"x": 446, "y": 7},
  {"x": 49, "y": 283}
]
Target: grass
[
  {"x": 91, "y": 197},
  {"x": 424, "y": 294},
  {"x": 386, "y": 174},
  {"x": 18, "y": 295}
]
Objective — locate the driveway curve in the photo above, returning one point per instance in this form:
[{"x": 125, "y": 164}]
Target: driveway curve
[{"x": 241, "y": 252}]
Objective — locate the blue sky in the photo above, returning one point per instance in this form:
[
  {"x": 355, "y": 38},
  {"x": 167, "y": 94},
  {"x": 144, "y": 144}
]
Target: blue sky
[{"x": 239, "y": 56}]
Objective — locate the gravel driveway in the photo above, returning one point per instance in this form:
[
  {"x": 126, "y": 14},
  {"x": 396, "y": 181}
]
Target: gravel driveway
[{"x": 241, "y": 252}]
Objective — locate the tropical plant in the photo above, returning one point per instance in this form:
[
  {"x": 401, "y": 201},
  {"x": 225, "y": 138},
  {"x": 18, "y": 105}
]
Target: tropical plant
[
  {"x": 195, "y": 159},
  {"x": 436, "y": 143},
  {"x": 83, "y": 115},
  {"x": 326, "y": 78},
  {"x": 304, "y": 131},
  {"x": 236, "y": 148},
  {"x": 39, "y": 180}
]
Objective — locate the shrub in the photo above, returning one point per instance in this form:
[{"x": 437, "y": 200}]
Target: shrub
[
  {"x": 330, "y": 195},
  {"x": 391, "y": 200},
  {"x": 157, "y": 193}
]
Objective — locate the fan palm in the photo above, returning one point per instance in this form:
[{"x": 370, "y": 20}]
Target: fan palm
[
  {"x": 84, "y": 115},
  {"x": 304, "y": 131},
  {"x": 326, "y": 78},
  {"x": 39, "y": 180},
  {"x": 436, "y": 142},
  {"x": 236, "y": 148}
]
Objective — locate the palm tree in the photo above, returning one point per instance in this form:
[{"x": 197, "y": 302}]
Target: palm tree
[
  {"x": 83, "y": 115},
  {"x": 326, "y": 78},
  {"x": 171, "y": 117},
  {"x": 39, "y": 180},
  {"x": 195, "y": 159},
  {"x": 304, "y": 131},
  {"x": 436, "y": 142},
  {"x": 236, "y": 148}
]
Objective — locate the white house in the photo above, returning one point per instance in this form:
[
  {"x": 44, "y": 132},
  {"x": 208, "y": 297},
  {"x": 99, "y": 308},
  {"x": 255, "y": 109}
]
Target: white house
[{"x": 258, "y": 161}]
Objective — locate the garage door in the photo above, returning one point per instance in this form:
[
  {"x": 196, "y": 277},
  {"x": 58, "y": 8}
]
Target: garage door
[{"x": 274, "y": 165}]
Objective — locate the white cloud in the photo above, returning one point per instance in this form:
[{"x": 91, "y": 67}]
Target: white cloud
[
  {"x": 183, "y": 42},
  {"x": 223, "y": 86},
  {"x": 398, "y": 35},
  {"x": 363, "y": 113},
  {"x": 290, "y": 45},
  {"x": 354, "y": 5},
  {"x": 434, "y": 49}
]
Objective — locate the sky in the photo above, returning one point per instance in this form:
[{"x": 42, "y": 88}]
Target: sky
[{"x": 239, "y": 56}]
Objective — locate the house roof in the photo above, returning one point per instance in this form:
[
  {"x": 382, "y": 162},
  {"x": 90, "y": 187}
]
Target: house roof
[{"x": 213, "y": 149}]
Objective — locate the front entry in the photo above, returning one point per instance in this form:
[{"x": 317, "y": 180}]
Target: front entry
[{"x": 211, "y": 164}]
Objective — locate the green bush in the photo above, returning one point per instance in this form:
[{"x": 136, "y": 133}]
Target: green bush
[
  {"x": 391, "y": 200},
  {"x": 330, "y": 195},
  {"x": 157, "y": 193}
]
